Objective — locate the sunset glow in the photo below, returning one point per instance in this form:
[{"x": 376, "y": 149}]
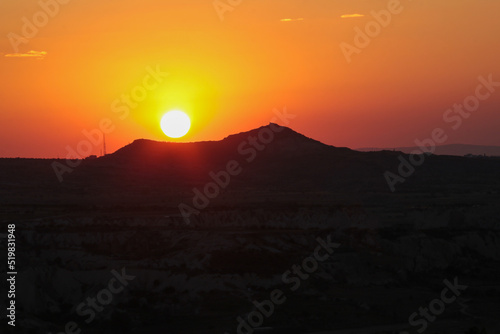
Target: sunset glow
[{"x": 229, "y": 75}]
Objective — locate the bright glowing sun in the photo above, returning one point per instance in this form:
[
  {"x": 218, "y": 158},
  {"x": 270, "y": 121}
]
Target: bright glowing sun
[{"x": 175, "y": 124}]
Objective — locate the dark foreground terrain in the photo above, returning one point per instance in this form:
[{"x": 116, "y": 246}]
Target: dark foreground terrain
[{"x": 307, "y": 238}]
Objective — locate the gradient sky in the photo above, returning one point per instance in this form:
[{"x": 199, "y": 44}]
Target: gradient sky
[{"x": 229, "y": 75}]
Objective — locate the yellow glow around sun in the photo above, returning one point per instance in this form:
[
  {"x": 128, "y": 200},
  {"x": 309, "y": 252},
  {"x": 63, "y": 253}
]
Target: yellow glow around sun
[{"x": 175, "y": 124}]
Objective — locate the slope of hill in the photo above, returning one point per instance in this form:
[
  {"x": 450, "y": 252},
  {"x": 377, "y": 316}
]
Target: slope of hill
[{"x": 451, "y": 149}]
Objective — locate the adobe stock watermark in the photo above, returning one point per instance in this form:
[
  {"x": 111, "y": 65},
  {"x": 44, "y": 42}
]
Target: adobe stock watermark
[
  {"x": 91, "y": 306},
  {"x": 223, "y": 6},
  {"x": 372, "y": 29},
  {"x": 293, "y": 278},
  {"x": 436, "y": 307},
  {"x": 122, "y": 107},
  {"x": 30, "y": 28},
  {"x": 454, "y": 117},
  {"x": 249, "y": 149}
]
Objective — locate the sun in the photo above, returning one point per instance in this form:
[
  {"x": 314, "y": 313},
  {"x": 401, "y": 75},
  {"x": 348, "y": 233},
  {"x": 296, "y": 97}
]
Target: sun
[{"x": 175, "y": 124}]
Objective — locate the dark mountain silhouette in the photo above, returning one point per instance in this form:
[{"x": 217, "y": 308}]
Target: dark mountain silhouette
[{"x": 289, "y": 162}]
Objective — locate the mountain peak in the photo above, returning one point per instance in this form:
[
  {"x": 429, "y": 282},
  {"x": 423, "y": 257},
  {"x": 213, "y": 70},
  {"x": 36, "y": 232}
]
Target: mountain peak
[{"x": 272, "y": 132}]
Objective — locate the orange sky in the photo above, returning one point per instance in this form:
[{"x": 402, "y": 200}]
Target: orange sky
[{"x": 229, "y": 75}]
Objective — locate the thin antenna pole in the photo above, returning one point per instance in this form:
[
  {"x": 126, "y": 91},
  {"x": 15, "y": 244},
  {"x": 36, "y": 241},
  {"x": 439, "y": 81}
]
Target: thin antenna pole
[{"x": 104, "y": 144}]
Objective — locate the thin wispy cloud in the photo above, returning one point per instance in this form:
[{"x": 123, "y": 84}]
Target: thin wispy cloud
[
  {"x": 292, "y": 20},
  {"x": 29, "y": 54},
  {"x": 351, "y": 16}
]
